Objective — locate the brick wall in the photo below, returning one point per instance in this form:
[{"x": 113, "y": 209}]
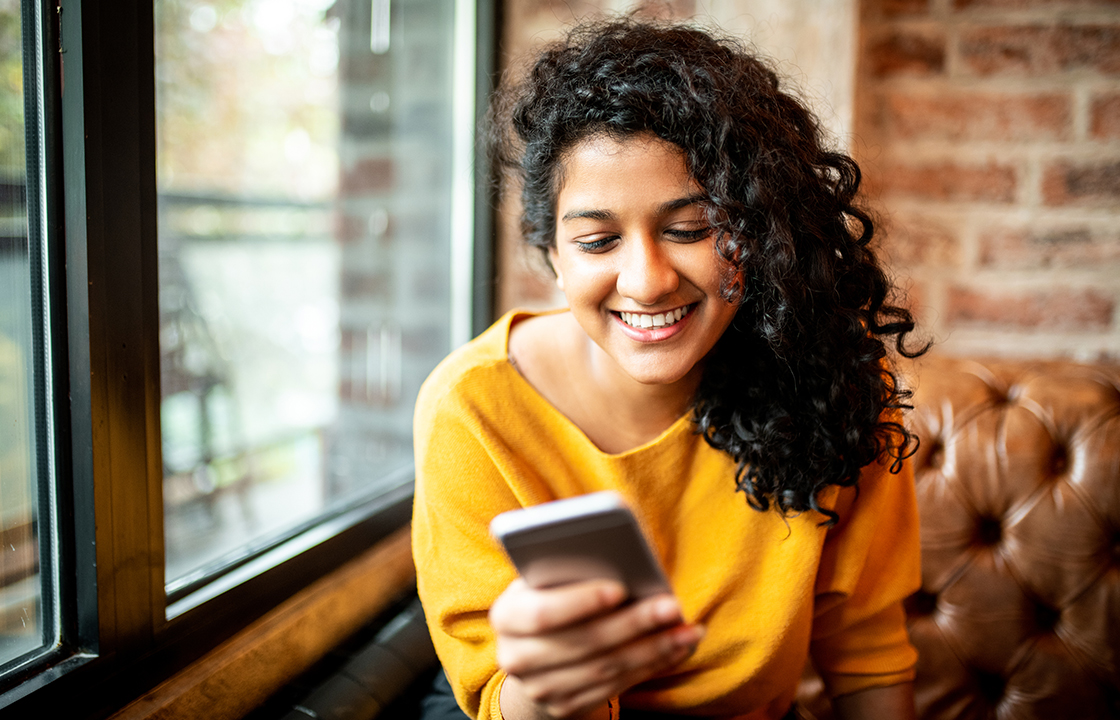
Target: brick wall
[{"x": 989, "y": 131}]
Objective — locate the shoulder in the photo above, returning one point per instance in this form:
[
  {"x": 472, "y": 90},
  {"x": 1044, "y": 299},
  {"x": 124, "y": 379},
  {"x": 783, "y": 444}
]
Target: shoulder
[
  {"x": 539, "y": 346},
  {"x": 478, "y": 374}
]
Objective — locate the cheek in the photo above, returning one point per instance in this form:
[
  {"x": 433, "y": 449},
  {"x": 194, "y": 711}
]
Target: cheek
[
  {"x": 707, "y": 269},
  {"x": 583, "y": 275},
  {"x": 583, "y": 289}
]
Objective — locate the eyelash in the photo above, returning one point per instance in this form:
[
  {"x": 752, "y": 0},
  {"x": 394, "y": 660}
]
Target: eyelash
[
  {"x": 690, "y": 235},
  {"x": 683, "y": 236},
  {"x": 595, "y": 245}
]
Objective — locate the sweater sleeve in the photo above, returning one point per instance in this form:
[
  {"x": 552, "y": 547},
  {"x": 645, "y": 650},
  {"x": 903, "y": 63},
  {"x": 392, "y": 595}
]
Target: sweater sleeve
[
  {"x": 460, "y": 569},
  {"x": 870, "y": 563}
]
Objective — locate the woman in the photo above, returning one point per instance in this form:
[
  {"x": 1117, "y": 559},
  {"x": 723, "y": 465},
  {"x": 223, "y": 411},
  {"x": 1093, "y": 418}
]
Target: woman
[{"x": 725, "y": 330}]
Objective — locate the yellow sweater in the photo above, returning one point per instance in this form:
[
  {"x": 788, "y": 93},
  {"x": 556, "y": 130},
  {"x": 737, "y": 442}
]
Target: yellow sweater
[{"x": 769, "y": 590}]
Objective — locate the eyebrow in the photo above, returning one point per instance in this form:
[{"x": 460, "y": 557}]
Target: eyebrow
[{"x": 608, "y": 215}]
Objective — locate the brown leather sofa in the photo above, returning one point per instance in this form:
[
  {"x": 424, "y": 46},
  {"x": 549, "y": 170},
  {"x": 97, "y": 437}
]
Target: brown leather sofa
[{"x": 1018, "y": 481}]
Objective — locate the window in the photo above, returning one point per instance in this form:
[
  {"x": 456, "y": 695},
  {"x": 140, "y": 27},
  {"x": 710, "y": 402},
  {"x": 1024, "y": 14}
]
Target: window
[
  {"x": 27, "y": 586},
  {"x": 304, "y": 167},
  {"x": 241, "y": 238}
]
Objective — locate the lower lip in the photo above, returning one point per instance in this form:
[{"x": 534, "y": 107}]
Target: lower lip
[{"x": 654, "y": 334}]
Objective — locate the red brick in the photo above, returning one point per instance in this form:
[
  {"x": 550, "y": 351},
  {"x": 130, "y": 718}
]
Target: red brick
[
  {"x": 1024, "y": 4},
  {"x": 1106, "y": 117},
  {"x": 1022, "y": 248},
  {"x": 903, "y": 53},
  {"x": 979, "y": 116},
  {"x": 370, "y": 175},
  {"x": 1058, "y": 308},
  {"x": 666, "y": 9},
  {"x": 949, "y": 181},
  {"x": 904, "y": 7},
  {"x": 1035, "y": 50},
  {"x": 1066, "y": 183},
  {"x": 913, "y": 296},
  {"x": 920, "y": 241}
]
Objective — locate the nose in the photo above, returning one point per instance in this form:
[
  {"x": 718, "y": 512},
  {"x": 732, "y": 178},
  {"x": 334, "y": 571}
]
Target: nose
[{"x": 647, "y": 274}]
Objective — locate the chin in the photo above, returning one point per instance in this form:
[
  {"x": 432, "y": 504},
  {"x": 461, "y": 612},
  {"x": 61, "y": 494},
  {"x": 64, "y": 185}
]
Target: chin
[{"x": 659, "y": 375}]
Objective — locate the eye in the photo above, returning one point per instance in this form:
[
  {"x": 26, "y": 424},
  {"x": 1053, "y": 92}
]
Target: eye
[
  {"x": 688, "y": 236},
  {"x": 596, "y": 246}
]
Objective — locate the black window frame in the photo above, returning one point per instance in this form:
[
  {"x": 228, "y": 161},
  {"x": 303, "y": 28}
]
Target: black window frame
[{"x": 100, "y": 229}]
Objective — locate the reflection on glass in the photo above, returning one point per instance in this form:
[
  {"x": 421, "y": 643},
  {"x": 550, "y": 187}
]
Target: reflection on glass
[
  {"x": 21, "y": 591},
  {"x": 304, "y": 184}
]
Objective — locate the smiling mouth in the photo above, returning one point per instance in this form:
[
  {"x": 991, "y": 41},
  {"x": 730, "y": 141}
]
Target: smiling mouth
[{"x": 645, "y": 321}]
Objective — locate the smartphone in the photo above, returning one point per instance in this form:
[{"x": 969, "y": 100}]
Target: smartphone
[{"x": 580, "y": 538}]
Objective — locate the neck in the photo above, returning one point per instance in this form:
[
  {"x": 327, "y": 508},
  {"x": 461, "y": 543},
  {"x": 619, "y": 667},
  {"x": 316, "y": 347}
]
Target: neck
[{"x": 644, "y": 407}]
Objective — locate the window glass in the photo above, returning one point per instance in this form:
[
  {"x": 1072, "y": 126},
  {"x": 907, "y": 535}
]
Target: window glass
[
  {"x": 303, "y": 167},
  {"x": 23, "y": 627}
]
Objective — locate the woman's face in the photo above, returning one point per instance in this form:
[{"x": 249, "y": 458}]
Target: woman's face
[{"x": 635, "y": 257}]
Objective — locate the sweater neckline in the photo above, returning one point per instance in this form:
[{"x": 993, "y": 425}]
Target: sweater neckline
[{"x": 531, "y": 392}]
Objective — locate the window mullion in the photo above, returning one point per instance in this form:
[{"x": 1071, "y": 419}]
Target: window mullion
[{"x": 108, "y": 133}]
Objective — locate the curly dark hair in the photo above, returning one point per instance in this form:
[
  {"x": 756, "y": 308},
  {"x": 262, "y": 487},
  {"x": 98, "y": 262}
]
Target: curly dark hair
[{"x": 798, "y": 390}]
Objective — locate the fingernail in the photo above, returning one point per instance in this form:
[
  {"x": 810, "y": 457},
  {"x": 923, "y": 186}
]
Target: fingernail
[
  {"x": 613, "y": 593},
  {"x": 682, "y": 652},
  {"x": 689, "y": 636},
  {"x": 667, "y": 610}
]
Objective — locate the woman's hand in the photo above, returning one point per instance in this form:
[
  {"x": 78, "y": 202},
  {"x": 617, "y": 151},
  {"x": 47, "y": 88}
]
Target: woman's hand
[{"x": 567, "y": 650}]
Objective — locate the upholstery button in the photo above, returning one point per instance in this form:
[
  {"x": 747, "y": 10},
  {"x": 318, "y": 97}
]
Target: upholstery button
[
  {"x": 989, "y": 531},
  {"x": 1001, "y": 398},
  {"x": 921, "y": 603},
  {"x": 990, "y": 686},
  {"x": 1045, "y": 617},
  {"x": 936, "y": 454},
  {"x": 1059, "y": 461}
]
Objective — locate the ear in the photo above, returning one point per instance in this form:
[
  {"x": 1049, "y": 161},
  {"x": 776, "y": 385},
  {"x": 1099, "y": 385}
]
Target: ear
[{"x": 553, "y": 257}]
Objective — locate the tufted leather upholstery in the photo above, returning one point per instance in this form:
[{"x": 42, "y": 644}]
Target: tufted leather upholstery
[{"x": 1018, "y": 482}]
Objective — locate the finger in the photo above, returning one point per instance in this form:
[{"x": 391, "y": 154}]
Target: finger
[
  {"x": 523, "y": 654},
  {"x": 588, "y": 683},
  {"x": 522, "y": 610}
]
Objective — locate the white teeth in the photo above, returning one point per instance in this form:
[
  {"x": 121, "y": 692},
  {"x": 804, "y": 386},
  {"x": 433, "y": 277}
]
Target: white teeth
[{"x": 641, "y": 320}]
